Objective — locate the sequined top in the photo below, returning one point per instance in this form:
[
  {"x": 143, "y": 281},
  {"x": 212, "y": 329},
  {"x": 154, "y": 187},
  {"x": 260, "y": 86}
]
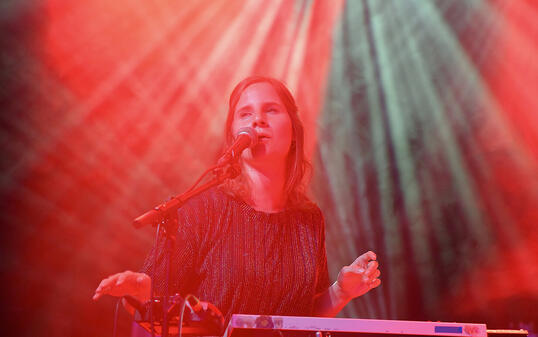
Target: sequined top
[{"x": 245, "y": 261}]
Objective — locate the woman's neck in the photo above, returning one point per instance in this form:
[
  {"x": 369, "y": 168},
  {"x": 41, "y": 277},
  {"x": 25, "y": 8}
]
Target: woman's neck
[{"x": 266, "y": 187}]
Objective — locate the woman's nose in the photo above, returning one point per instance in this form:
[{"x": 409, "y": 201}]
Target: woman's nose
[{"x": 259, "y": 120}]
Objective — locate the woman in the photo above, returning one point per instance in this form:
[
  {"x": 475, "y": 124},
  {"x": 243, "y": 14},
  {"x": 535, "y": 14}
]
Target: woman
[{"x": 255, "y": 245}]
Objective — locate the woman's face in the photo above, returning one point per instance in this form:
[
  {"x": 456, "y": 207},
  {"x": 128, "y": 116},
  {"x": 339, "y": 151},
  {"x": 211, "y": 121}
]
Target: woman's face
[{"x": 260, "y": 108}]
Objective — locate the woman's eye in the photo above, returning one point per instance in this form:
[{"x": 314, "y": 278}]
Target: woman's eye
[{"x": 244, "y": 114}]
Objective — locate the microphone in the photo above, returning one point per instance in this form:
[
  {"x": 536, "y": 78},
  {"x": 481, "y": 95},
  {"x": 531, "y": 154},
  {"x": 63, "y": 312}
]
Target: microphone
[{"x": 246, "y": 137}]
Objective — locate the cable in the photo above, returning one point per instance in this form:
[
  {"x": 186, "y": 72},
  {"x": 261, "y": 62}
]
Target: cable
[
  {"x": 116, "y": 312},
  {"x": 201, "y": 177},
  {"x": 154, "y": 268},
  {"x": 180, "y": 323}
]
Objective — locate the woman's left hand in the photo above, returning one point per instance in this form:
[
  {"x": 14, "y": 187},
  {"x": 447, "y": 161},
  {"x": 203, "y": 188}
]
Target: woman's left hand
[{"x": 359, "y": 277}]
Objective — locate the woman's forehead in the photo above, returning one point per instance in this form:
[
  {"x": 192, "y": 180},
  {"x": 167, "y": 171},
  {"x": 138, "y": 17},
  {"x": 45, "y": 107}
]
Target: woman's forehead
[{"x": 258, "y": 93}]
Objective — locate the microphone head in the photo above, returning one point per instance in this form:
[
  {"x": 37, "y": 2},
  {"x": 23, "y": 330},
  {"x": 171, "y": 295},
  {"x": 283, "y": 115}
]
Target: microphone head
[
  {"x": 251, "y": 133},
  {"x": 245, "y": 138}
]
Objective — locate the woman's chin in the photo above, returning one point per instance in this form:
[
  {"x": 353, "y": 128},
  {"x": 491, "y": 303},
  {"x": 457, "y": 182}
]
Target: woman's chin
[
  {"x": 259, "y": 156},
  {"x": 259, "y": 151}
]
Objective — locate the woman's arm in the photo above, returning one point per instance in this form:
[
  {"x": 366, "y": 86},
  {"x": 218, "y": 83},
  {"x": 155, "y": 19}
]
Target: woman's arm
[
  {"x": 137, "y": 285},
  {"x": 353, "y": 281}
]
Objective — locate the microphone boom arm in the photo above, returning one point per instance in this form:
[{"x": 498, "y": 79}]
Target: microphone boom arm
[{"x": 168, "y": 209}]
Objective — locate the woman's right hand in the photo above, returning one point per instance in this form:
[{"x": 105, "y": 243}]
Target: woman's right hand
[{"x": 137, "y": 285}]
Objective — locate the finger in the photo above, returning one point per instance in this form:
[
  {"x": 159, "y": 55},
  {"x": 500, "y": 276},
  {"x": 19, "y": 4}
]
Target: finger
[
  {"x": 102, "y": 289},
  {"x": 375, "y": 283},
  {"x": 350, "y": 269},
  {"x": 371, "y": 278},
  {"x": 143, "y": 280},
  {"x": 364, "y": 258},
  {"x": 105, "y": 284},
  {"x": 355, "y": 270},
  {"x": 121, "y": 279},
  {"x": 370, "y": 255},
  {"x": 360, "y": 261},
  {"x": 372, "y": 267}
]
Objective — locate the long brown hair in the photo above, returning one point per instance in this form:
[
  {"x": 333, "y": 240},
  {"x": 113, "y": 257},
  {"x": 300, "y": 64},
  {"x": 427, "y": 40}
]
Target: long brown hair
[{"x": 296, "y": 163}]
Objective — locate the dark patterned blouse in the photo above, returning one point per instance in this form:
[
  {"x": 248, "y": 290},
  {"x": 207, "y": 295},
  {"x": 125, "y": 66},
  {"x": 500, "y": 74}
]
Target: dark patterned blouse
[{"x": 246, "y": 261}]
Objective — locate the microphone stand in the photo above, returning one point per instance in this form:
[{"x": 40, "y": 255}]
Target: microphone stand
[{"x": 165, "y": 215}]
